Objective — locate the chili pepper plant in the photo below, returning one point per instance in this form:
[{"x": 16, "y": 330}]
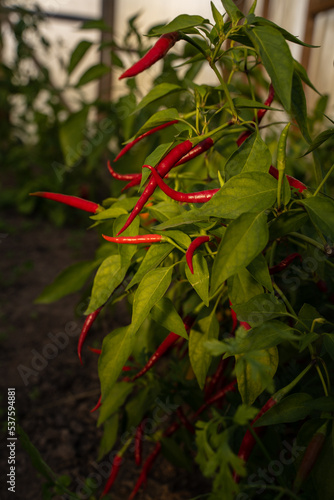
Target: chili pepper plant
[{"x": 223, "y": 253}]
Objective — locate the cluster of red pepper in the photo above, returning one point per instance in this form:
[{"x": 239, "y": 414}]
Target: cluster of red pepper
[{"x": 179, "y": 154}]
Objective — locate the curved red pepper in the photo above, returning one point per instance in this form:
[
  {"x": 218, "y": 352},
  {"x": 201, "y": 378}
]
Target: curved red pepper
[
  {"x": 117, "y": 462},
  {"x": 130, "y": 145},
  {"x": 285, "y": 263},
  {"x": 139, "y": 442},
  {"x": 198, "y": 197},
  {"x": 191, "y": 249},
  {"x": 158, "y": 51},
  {"x": 163, "y": 168},
  {"x": 122, "y": 177},
  {"x": 146, "y": 468},
  {"x": 200, "y": 148},
  {"x": 72, "y": 201},
  {"x": 85, "y": 329},
  {"x": 216, "y": 397},
  {"x": 293, "y": 182},
  {"x": 134, "y": 240},
  {"x": 97, "y": 406}
]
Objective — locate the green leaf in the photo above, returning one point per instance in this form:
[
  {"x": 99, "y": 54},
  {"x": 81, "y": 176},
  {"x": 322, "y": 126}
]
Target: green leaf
[
  {"x": 200, "y": 359},
  {"x": 154, "y": 256},
  {"x": 321, "y": 213},
  {"x": 109, "y": 213},
  {"x": 242, "y": 103},
  {"x": 219, "y": 20},
  {"x": 179, "y": 237},
  {"x": 244, "y": 414},
  {"x": 69, "y": 281},
  {"x": 268, "y": 334},
  {"x": 175, "y": 454},
  {"x": 303, "y": 75},
  {"x": 93, "y": 73},
  {"x": 307, "y": 315},
  {"x": 71, "y": 133},
  {"x": 298, "y": 106},
  {"x": 329, "y": 344},
  {"x": 151, "y": 289},
  {"x": 242, "y": 287},
  {"x": 320, "y": 139},
  {"x": 159, "y": 118},
  {"x": 246, "y": 192},
  {"x": 158, "y": 92},
  {"x": 77, "y": 54},
  {"x": 285, "y": 33},
  {"x": 232, "y": 10},
  {"x": 126, "y": 252},
  {"x": 276, "y": 58},
  {"x": 116, "y": 348},
  {"x": 260, "y": 308},
  {"x": 244, "y": 239},
  {"x": 34, "y": 455},
  {"x": 290, "y": 409},
  {"x": 165, "y": 210},
  {"x": 286, "y": 223},
  {"x": 255, "y": 371},
  {"x": 180, "y": 23},
  {"x": 139, "y": 404},
  {"x": 252, "y": 156},
  {"x": 258, "y": 268},
  {"x": 200, "y": 279},
  {"x": 108, "y": 277},
  {"x": 165, "y": 314},
  {"x": 110, "y": 431},
  {"x": 114, "y": 400}
]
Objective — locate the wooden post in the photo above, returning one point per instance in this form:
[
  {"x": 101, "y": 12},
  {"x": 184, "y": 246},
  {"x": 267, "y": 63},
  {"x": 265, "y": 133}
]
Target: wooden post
[
  {"x": 108, "y": 15},
  {"x": 314, "y": 8}
]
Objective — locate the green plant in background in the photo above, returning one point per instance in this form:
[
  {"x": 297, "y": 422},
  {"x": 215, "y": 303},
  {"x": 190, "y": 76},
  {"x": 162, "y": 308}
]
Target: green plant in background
[{"x": 227, "y": 270}]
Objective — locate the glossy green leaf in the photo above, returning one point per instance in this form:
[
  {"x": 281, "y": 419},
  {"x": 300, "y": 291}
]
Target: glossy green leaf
[
  {"x": 255, "y": 371},
  {"x": 109, "y": 438},
  {"x": 321, "y": 213},
  {"x": 285, "y": 33},
  {"x": 78, "y": 53},
  {"x": 116, "y": 348},
  {"x": 206, "y": 328},
  {"x": 180, "y": 23},
  {"x": 232, "y": 10},
  {"x": 126, "y": 252},
  {"x": 260, "y": 308},
  {"x": 154, "y": 256},
  {"x": 246, "y": 192},
  {"x": 165, "y": 314},
  {"x": 219, "y": 20},
  {"x": 110, "y": 213},
  {"x": 114, "y": 400},
  {"x": 68, "y": 281},
  {"x": 287, "y": 222},
  {"x": 200, "y": 279},
  {"x": 252, "y": 156},
  {"x": 93, "y": 73},
  {"x": 303, "y": 75},
  {"x": 108, "y": 277},
  {"x": 242, "y": 287},
  {"x": 151, "y": 289},
  {"x": 290, "y": 409},
  {"x": 179, "y": 237},
  {"x": 298, "y": 106},
  {"x": 258, "y": 268},
  {"x": 276, "y": 58},
  {"x": 158, "y": 118},
  {"x": 165, "y": 210},
  {"x": 244, "y": 239},
  {"x": 159, "y": 91},
  {"x": 320, "y": 139}
]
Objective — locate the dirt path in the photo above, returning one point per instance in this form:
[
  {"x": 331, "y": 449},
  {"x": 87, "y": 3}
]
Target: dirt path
[{"x": 54, "y": 393}]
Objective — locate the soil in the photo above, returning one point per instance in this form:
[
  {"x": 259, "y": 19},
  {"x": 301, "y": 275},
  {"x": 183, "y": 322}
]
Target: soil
[{"x": 54, "y": 393}]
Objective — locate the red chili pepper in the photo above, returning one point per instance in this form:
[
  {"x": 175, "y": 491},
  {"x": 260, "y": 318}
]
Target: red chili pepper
[
  {"x": 85, "y": 329},
  {"x": 142, "y": 136},
  {"x": 234, "y": 319},
  {"x": 158, "y": 51},
  {"x": 122, "y": 177},
  {"x": 245, "y": 325},
  {"x": 293, "y": 182},
  {"x": 93, "y": 349},
  {"x": 200, "y": 148},
  {"x": 163, "y": 168},
  {"x": 72, "y": 201},
  {"x": 97, "y": 406},
  {"x": 199, "y": 197},
  {"x": 285, "y": 263},
  {"x": 139, "y": 442},
  {"x": 163, "y": 348},
  {"x": 216, "y": 397},
  {"x": 310, "y": 457},
  {"x": 117, "y": 462},
  {"x": 191, "y": 249},
  {"x": 216, "y": 379},
  {"x": 134, "y": 240},
  {"x": 146, "y": 468},
  {"x": 260, "y": 115}
]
